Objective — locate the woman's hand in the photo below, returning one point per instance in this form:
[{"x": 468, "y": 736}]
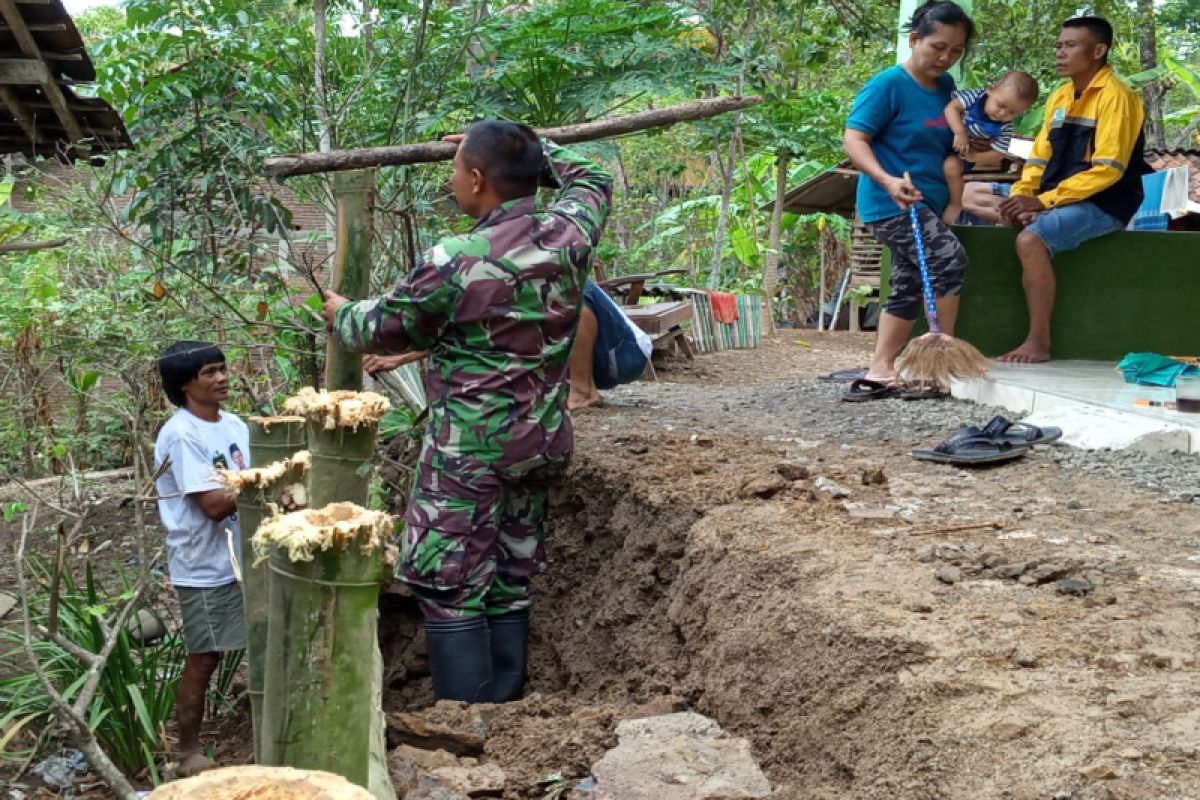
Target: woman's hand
[{"x": 902, "y": 191}]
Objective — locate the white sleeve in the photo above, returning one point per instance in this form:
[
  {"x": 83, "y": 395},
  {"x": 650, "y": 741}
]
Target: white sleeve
[{"x": 191, "y": 465}]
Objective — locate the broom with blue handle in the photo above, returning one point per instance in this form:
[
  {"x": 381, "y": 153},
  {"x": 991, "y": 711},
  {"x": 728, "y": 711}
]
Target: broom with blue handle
[{"x": 936, "y": 356}]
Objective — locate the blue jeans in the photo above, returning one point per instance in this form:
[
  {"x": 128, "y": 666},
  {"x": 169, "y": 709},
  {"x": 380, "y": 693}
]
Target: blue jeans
[
  {"x": 1066, "y": 227},
  {"x": 617, "y": 358}
]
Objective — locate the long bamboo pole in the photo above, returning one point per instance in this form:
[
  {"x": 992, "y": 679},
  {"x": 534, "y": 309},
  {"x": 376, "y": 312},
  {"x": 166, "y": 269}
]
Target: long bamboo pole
[
  {"x": 426, "y": 152},
  {"x": 354, "y": 193}
]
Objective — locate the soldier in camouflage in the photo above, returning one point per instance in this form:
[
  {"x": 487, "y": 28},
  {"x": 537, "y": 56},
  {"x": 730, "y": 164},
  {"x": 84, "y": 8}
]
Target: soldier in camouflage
[{"x": 496, "y": 309}]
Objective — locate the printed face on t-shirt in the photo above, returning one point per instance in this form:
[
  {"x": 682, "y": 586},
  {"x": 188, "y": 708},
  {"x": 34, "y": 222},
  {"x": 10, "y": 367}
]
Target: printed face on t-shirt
[{"x": 236, "y": 454}]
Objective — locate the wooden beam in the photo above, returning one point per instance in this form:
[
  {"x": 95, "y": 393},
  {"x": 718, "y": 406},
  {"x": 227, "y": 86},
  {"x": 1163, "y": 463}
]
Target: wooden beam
[
  {"x": 9, "y": 98},
  {"x": 46, "y": 54},
  {"x": 425, "y": 152},
  {"x": 23, "y": 72},
  {"x": 58, "y": 101},
  {"x": 48, "y": 27}
]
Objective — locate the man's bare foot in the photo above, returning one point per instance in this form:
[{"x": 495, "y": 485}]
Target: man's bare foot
[
  {"x": 1030, "y": 352},
  {"x": 888, "y": 378},
  {"x": 950, "y": 215},
  {"x": 579, "y": 402},
  {"x": 194, "y": 763}
]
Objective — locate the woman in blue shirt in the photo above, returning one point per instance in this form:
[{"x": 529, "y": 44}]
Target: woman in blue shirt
[{"x": 898, "y": 138}]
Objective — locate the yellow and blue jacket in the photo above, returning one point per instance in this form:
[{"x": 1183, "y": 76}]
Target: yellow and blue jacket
[{"x": 1090, "y": 148}]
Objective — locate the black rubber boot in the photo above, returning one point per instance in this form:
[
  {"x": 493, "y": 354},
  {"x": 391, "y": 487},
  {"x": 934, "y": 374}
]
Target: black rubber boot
[
  {"x": 460, "y": 659},
  {"x": 510, "y": 643}
]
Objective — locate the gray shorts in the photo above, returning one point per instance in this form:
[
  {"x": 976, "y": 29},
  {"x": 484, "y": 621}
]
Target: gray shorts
[
  {"x": 946, "y": 258},
  {"x": 213, "y": 619}
]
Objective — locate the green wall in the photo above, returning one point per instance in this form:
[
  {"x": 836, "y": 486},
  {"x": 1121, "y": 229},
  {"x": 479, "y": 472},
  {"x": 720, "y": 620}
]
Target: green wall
[{"x": 1125, "y": 292}]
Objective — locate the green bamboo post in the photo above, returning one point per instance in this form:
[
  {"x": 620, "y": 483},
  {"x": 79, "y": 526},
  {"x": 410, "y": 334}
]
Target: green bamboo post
[
  {"x": 341, "y": 464},
  {"x": 354, "y": 193},
  {"x": 272, "y": 440},
  {"x": 312, "y": 673},
  {"x": 327, "y": 566}
]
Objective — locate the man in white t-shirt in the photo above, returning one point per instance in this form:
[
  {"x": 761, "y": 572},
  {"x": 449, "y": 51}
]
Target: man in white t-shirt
[
  {"x": 202, "y": 526},
  {"x": 609, "y": 349}
]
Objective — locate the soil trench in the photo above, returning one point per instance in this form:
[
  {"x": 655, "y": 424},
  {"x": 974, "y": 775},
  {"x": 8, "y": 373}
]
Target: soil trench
[{"x": 876, "y": 627}]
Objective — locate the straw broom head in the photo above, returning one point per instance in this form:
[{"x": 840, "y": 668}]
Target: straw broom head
[{"x": 935, "y": 358}]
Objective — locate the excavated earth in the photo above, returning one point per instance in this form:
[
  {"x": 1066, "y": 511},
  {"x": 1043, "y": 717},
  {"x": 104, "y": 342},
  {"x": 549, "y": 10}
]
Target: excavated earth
[{"x": 732, "y": 540}]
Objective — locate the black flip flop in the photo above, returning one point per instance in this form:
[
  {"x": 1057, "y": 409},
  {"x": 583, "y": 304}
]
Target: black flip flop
[
  {"x": 971, "y": 448},
  {"x": 1001, "y": 429},
  {"x": 863, "y": 389},
  {"x": 844, "y": 375}
]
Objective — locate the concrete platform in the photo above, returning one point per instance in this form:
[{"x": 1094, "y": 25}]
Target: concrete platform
[{"x": 1090, "y": 401}]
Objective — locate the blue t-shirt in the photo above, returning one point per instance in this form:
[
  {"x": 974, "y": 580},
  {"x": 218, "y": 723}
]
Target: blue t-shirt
[{"x": 909, "y": 133}]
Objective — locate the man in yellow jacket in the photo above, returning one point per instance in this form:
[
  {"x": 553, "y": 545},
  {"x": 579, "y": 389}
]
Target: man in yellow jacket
[{"x": 1084, "y": 176}]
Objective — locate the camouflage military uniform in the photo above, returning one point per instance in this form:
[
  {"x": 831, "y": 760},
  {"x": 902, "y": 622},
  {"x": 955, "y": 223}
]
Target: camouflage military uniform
[
  {"x": 497, "y": 309},
  {"x": 944, "y": 254}
]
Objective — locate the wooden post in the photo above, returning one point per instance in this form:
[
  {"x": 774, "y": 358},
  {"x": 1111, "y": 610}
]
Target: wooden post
[
  {"x": 354, "y": 193},
  {"x": 821, "y": 290}
]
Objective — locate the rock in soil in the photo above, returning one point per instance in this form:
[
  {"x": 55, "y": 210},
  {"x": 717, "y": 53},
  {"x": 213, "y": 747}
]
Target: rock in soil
[
  {"x": 678, "y": 757},
  {"x": 425, "y": 734},
  {"x": 1077, "y": 587},
  {"x": 950, "y": 575}
]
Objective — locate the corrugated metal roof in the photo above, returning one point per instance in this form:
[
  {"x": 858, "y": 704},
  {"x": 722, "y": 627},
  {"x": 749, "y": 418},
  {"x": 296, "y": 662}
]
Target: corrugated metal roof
[
  {"x": 41, "y": 56},
  {"x": 831, "y": 191}
]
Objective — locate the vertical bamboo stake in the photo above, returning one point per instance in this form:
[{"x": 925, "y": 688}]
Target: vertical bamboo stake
[
  {"x": 327, "y": 566},
  {"x": 273, "y": 440},
  {"x": 355, "y": 196},
  {"x": 340, "y": 428}
]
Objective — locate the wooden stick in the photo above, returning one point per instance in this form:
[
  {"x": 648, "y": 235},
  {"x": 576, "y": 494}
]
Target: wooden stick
[
  {"x": 26, "y": 247},
  {"x": 974, "y": 526},
  {"x": 427, "y": 152}
]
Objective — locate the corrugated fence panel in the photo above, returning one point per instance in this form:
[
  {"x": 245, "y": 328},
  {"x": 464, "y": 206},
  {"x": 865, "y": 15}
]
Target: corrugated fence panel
[{"x": 709, "y": 336}]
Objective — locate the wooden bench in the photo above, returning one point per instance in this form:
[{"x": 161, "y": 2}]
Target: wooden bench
[
  {"x": 630, "y": 287},
  {"x": 663, "y": 323}
]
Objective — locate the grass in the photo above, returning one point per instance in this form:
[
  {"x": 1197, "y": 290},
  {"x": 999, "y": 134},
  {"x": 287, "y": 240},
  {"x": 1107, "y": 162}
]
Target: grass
[{"x": 137, "y": 689}]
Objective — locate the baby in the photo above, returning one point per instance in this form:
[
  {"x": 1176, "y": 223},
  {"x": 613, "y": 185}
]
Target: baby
[{"x": 983, "y": 114}]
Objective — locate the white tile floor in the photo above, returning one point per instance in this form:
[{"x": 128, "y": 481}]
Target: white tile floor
[{"x": 1090, "y": 401}]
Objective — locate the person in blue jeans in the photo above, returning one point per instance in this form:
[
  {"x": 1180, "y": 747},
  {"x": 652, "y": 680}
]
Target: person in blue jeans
[
  {"x": 1082, "y": 180},
  {"x": 609, "y": 349},
  {"x": 898, "y": 137}
]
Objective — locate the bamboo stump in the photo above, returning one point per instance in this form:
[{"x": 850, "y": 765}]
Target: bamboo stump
[
  {"x": 322, "y": 696},
  {"x": 274, "y": 441},
  {"x": 341, "y": 437},
  {"x": 261, "y": 783}
]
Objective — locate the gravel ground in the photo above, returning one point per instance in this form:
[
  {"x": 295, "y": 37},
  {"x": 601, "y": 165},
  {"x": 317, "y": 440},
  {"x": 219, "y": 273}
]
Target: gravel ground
[{"x": 810, "y": 410}]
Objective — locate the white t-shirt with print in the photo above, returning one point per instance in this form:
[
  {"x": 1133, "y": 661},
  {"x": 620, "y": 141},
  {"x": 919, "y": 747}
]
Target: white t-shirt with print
[{"x": 198, "y": 547}]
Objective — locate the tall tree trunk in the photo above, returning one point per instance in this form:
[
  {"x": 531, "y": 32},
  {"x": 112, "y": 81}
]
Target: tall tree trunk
[
  {"x": 325, "y": 134},
  {"x": 726, "y": 169},
  {"x": 1152, "y": 91},
  {"x": 770, "y": 279},
  {"x": 321, "y": 35}
]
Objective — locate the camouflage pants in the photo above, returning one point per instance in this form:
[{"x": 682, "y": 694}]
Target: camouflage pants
[
  {"x": 944, "y": 254},
  {"x": 474, "y": 534}
]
